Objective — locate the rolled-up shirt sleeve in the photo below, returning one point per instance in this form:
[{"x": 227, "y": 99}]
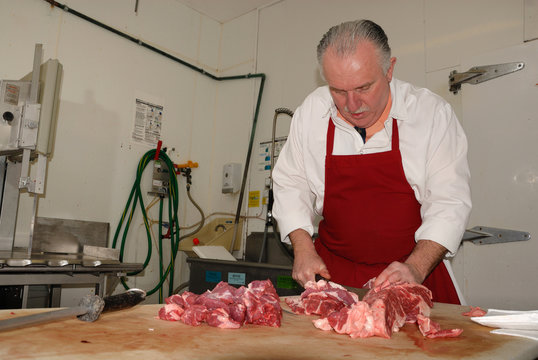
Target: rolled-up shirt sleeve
[
  {"x": 293, "y": 207},
  {"x": 446, "y": 195}
]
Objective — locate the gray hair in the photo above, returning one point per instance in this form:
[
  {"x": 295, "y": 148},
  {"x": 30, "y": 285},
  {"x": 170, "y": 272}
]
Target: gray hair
[{"x": 345, "y": 37}]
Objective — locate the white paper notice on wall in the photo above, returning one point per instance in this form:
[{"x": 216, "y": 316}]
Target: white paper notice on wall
[{"x": 147, "y": 122}]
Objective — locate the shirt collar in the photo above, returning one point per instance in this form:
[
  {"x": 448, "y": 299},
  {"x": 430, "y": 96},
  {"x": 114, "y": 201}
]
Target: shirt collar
[{"x": 398, "y": 109}]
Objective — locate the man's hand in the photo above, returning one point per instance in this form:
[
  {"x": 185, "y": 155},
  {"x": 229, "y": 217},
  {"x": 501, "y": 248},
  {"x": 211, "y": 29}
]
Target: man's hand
[
  {"x": 307, "y": 263},
  {"x": 424, "y": 258},
  {"x": 398, "y": 271}
]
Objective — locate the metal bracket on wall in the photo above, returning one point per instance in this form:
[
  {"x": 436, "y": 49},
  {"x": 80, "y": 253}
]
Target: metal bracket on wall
[
  {"x": 482, "y": 235},
  {"x": 478, "y": 74}
]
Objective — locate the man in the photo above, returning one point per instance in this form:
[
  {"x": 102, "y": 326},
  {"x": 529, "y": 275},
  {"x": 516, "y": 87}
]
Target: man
[{"x": 383, "y": 162}]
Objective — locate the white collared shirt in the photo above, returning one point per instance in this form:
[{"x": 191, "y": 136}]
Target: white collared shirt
[{"x": 434, "y": 156}]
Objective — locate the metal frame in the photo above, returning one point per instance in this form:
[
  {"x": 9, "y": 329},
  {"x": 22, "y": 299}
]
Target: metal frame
[
  {"x": 57, "y": 276},
  {"x": 483, "y": 235},
  {"x": 478, "y": 74}
]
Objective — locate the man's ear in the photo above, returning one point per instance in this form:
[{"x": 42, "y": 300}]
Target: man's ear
[{"x": 391, "y": 69}]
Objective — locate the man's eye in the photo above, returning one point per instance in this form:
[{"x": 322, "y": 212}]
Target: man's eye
[{"x": 362, "y": 88}]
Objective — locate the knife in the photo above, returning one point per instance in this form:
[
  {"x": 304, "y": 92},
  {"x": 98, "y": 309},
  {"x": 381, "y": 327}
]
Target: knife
[{"x": 89, "y": 309}]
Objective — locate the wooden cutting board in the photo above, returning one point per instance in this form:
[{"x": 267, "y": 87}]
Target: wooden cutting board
[{"x": 137, "y": 334}]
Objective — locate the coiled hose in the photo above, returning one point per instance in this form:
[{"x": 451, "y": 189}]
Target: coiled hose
[{"x": 135, "y": 198}]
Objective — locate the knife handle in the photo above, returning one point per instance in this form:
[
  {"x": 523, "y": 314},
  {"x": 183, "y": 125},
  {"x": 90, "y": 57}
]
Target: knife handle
[{"x": 124, "y": 301}]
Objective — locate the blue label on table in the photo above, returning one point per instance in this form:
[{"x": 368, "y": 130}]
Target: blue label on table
[
  {"x": 213, "y": 276},
  {"x": 236, "y": 278}
]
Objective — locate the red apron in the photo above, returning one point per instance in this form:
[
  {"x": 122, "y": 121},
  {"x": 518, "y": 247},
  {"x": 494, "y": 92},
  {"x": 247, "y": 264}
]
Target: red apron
[{"x": 370, "y": 216}]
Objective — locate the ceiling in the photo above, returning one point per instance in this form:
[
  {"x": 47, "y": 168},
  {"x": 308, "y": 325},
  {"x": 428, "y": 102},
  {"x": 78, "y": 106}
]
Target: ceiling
[{"x": 225, "y": 10}]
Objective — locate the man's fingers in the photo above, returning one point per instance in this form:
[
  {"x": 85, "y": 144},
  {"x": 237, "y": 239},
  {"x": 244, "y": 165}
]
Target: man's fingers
[
  {"x": 382, "y": 277},
  {"x": 391, "y": 274},
  {"x": 307, "y": 266},
  {"x": 325, "y": 273},
  {"x": 302, "y": 278},
  {"x": 396, "y": 272}
]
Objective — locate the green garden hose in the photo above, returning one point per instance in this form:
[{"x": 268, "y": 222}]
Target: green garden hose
[{"x": 136, "y": 197}]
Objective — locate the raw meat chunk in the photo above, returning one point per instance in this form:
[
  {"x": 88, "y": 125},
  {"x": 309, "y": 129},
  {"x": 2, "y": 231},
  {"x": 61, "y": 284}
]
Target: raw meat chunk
[
  {"x": 359, "y": 321},
  {"x": 226, "y": 306},
  {"x": 262, "y": 287},
  {"x": 475, "y": 311},
  {"x": 431, "y": 329},
  {"x": 237, "y": 312},
  {"x": 188, "y": 297},
  {"x": 263, "y": 310},
  {"x": 194, "y": 315},
  {"x": 321, "y": 298},
  {"x": 175, "y": 299},
  {"x": 384, "y": 309},
  {"x": 296, "y": 304},
  {"x": 171, "y": 312},
  {"x": 221, "y": 318},
  {"x": 224, "y": 292},
  {"x": 397, "y": 304}
]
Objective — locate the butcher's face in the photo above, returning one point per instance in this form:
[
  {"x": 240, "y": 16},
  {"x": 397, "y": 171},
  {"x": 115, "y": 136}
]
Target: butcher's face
[{"x": 358, "y": 85}]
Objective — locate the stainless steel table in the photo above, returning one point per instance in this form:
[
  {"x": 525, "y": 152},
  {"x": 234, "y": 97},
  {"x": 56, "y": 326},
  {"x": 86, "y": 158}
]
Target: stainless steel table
[{"x": 17, "y": 268}]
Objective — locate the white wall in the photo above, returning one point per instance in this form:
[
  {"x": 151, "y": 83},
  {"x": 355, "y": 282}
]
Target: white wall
[
  {"x": 429, "y": 39},
  {"x": 94, "y": 161}
]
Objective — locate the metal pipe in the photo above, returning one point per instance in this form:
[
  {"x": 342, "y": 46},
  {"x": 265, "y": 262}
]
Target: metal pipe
[
  {"x": 148, "y": 46},
  {"x": 269, "y": 221},
  {"x": 247, "y": 162},
  {"x": 277, "y": 112}
]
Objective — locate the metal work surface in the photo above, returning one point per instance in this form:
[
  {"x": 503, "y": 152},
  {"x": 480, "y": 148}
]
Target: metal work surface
[
  {"x": 17, "y": 268},
  {"x": 137, "y": 333},
  {"x": 20, "y": 259},
  {"x": 19, "y": 263}
]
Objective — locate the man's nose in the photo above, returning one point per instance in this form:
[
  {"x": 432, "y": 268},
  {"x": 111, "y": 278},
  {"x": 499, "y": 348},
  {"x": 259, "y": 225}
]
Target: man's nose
[{"x": 353, "y": 101}]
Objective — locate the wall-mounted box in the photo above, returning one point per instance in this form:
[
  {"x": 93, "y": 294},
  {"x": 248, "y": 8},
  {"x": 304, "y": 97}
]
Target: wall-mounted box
[{"x": 231, "y": 178}]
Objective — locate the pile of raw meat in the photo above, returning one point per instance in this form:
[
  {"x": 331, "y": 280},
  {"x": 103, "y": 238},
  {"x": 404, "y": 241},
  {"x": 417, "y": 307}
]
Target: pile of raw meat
[
  {"x": 226, "y": 306},
  {"x": 384, "y": 309}
]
